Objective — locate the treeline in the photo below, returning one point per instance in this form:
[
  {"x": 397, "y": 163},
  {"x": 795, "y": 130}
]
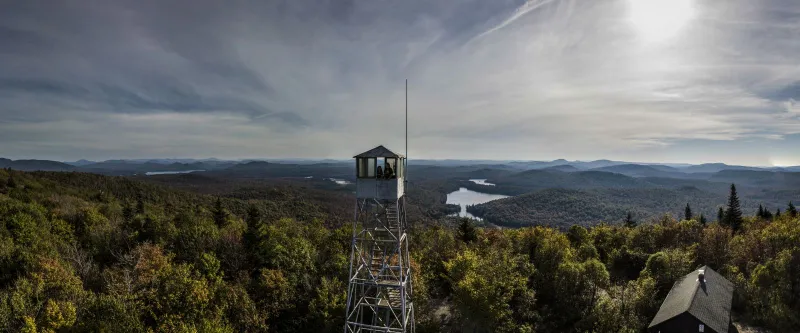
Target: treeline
[
  {"x": 90, "y": 253},
  {"x": 563, "y": 208},
  {"x": 102, "y": 254},
  {"x": 603, "y": 279}
]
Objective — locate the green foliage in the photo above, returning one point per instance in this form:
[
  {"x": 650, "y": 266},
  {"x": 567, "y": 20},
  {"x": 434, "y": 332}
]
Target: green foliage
[
  {"x": 629, "y": 222},
  {"x": 773, "y": 288},
  {"x": 733, "y": 215},
  {"x": 687, "y": 213},
  {"x": 666, "y": 267},
  {"x": 220, "y": 215},
  {"x": 485, "y": 286},
  {"x": 564, "y": 205},
  {"x": 284, "y": 245},
  {"x": 767, "y": 215},
  {"x": 328, "y": 305},
  {"x": 86, "y": 253},
  {"x": 466, "y": 231},
  {"x": 713, "y": 248}
]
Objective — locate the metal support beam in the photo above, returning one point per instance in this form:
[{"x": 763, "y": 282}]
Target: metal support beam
[{"x": 379, "y": 289}]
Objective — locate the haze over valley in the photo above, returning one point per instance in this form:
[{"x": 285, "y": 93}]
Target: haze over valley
[{"x": 556, "y": 193}]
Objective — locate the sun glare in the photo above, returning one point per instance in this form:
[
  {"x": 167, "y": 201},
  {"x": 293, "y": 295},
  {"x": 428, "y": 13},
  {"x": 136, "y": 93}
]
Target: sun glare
[{"x": 658, "y": 20}]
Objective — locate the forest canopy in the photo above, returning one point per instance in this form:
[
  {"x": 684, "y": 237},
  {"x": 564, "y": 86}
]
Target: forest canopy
[{"x": 82, "y": 252}]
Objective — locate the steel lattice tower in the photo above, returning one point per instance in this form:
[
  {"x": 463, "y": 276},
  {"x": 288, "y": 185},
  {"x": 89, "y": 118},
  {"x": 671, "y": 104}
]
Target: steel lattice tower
[{"x": 379, "y": 289}]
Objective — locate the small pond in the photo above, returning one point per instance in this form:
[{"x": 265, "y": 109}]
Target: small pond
[
  {"x": 153, "y": 173},
  {"x": 464, "y": 197},
  {"x": 340, "y": 181},
  {"x": 481, "y": 182}
]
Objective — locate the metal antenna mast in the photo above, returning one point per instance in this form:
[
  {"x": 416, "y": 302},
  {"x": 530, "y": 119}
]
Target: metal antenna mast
[{"x": 379, "y": 290}]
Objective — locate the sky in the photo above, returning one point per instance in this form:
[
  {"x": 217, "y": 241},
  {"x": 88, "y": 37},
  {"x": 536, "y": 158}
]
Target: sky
[{"x": 689, "y": 81}]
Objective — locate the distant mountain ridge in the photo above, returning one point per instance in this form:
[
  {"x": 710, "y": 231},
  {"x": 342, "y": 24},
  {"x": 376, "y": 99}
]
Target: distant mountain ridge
[
  {"x": 562, "y": 168},
  {"x": 638, "y": 170},
  {"x": 80, "y": 162},
  {"x": 633, "y": 169},
  {"x": 35, "y": 165},
  {"x": 561, "y": 208},
  {"x": 716, "y": 167}
]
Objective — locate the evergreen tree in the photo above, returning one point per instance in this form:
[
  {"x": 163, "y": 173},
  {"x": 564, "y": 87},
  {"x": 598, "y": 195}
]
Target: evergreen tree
[
  {"x": 11, "y": 183},
  {"x": 253, "y": 215},
  {"x": 253, "y": 224},
  {"x": 687, "y": 213},
  {"x": 733, "y": 216},
  {"x": 767, "y": 215},
  {"x": 720, "y": 215},
  {"x": 127, "y": 213},
  {"x": 791, "y": 210},
  {"x": 778, "y": 213},
  {"x": 760, "y": 213},
  {"x": 139, "y": 205},
  {"x": 220, "y": 215},
  {"x": 466, "y": 231},
  {"x": 702, "y": 219},
  {"x": 629, "y": 222}
]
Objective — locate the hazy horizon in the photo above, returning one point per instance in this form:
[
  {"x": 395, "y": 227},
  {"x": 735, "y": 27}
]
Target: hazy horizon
[
  {"x": 670, "y": 81},
  {"x": 344, "y": 159}
]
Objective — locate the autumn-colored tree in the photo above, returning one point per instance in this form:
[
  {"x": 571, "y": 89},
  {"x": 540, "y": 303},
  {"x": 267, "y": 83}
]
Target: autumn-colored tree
[
  {"x": 485, "y": 287},
  {"x": 72, "y": 260}
]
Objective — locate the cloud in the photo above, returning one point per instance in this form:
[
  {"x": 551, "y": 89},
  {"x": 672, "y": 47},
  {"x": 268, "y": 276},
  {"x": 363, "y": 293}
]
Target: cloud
[
  {"x": 792, "y": 106},
  {"x": 527, "y": 7},
  {"x": 487, "y": 79}
]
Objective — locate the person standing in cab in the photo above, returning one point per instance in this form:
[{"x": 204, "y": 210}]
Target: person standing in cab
[{"x": 389, "y": 172}]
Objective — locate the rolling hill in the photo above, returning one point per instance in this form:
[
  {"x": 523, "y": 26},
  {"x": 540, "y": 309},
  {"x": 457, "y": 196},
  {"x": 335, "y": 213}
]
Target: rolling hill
[
  {"x": 559, "y": 207},
  {"x": 532, "y": 180},
  {"x": 35, "y": 165},
  {"x": 562, "y": 168},
  {"x": 759, "y": 178},
  {"x": 716, "y": 167},
  {"x": 638, "y": 170}
]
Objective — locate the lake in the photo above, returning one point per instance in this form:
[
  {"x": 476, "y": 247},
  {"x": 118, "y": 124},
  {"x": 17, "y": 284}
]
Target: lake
[
  {"x": 340, "y": 181},
  {"x": 481, "y": 182},
  {"x": 153, "y": 173},
  {"x": 464, "y": 197}
]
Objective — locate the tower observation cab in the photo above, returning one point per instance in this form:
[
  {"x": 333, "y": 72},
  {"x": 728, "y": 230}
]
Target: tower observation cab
[
  {"x": 379, "y": 286},
  {"x": 379, "y": 174}
]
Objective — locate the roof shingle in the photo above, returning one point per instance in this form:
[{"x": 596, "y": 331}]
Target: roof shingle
[
  {"x": 709, "y": 302},
  {"x": 379, "y": 151}
]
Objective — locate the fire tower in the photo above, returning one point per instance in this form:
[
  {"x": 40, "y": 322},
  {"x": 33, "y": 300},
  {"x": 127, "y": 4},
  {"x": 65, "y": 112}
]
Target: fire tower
[{"x": 379, "y": 290}]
